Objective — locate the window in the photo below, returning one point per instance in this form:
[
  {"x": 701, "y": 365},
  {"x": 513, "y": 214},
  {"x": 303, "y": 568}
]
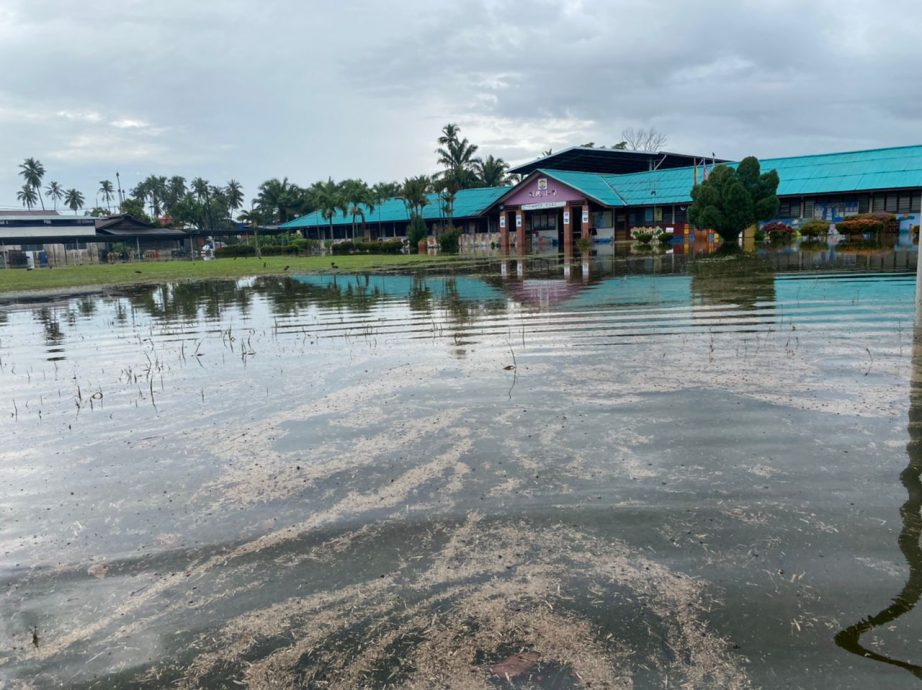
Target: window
[
  {"x": 602, "y": 219},
  {"x": 904, "y": 203},
  {"x": 890, "y": 206},
  {"x": 915, "y": 206},
  {"x": 808, "y": 208},
  {"x": 544, "y": 221}
]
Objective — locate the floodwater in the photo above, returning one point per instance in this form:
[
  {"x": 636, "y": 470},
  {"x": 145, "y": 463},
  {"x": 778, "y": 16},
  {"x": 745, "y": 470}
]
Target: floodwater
[{"x": 662, "y": 472}]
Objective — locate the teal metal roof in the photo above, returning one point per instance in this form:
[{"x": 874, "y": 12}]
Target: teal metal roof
[
  {"x": 853, "y": 171},
  {"x": 827, "y": 173},
  {"x": 469, "y": 203},
  {"x": 594, "y": 185}
]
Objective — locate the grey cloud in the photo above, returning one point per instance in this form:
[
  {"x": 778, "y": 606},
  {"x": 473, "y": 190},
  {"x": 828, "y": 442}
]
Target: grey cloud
[{"x": 307, "y": 89}]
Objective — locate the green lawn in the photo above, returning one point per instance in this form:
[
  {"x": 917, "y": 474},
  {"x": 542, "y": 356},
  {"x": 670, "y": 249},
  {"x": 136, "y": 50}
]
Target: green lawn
[{"x": 101, "y": 275}]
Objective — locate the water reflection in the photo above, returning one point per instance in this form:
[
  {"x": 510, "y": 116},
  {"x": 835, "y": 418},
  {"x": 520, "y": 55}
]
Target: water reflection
[
  {"x": 908, "y": 540},
  {"x": 743, "y": 281}
]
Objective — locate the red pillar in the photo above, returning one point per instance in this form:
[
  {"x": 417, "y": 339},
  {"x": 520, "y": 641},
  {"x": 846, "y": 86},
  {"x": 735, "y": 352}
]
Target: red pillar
[{"x": 584, "y": 222}]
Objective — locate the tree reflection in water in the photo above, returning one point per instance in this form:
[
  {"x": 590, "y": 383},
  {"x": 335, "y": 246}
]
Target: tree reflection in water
[{"x": 850, "y": 638}]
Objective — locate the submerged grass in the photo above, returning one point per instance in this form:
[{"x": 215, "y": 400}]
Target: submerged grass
[{"x": 102, "y": 275}]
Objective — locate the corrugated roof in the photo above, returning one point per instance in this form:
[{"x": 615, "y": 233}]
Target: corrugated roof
[
  {"x": 469, "y": 203},
  {"x": 827, "y": 173}
]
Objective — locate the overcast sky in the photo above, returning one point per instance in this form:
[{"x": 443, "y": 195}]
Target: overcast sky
[{"x": 251, "y": 89}]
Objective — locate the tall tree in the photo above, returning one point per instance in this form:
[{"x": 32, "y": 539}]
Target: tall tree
[
  {"x": 329, "y": 198},
  {"x": 732, "y": 199},
  {"x": 641, "y": 140},
  {"x": 359, "y": 199},
  {"x": 415, "y": 195},
  {"x": 107, "y": 190},
  {"x": 55, "y": 192},
  {"x": 26, "y": 196},
  {"x": 278, "y": 199},
  {"x": 255, "y": 218},
  {"x": 382, "y": 192},
  {"x": 492, "y": 172},
  {"x": 32, "y": 171},
  {"x": 456, "y": 156},
  {"x": 74, "y": 200},
  {"x": 234, "y": 193},
  {"x": 174, "y": 192}
]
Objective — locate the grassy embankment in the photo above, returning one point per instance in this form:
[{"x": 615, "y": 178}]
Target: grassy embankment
[{"x": 108, "y": 275}]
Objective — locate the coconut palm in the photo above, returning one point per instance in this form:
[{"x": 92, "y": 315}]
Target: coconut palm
[
  {"x": 381, "y": 192},
  {"x": 329, "y": 198},
  {"x": 173, "y": 194},
  {"x": 359, "y": 198},
  {"x": 74, "y": 200},
  {"x": 32, "y": 172},
  {"x": 55, "y": 192},
  {"x": 415, "y": 194},
  {"x": 234, "y": 193},
  {"x": 492, "y": 172},
  {"x": 255, "y": 218},
  {"x": 279, "y": 199},
  {"x": 107, "y": 191},
  {"x": 26, "y": 196},
  {"x": 456, "y": 156},
  {"x": 200, "y": 188}
]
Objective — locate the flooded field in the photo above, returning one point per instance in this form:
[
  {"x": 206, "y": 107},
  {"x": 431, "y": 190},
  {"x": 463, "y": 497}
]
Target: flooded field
[{"x": 659, "y": 472}]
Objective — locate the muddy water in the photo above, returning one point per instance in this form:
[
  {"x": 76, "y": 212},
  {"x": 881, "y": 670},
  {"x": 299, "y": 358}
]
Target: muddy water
[{"x": 625, "y": 473}]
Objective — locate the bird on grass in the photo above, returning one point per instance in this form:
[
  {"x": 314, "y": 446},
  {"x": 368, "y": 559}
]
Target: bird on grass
[
  {"x": 333, "y": 264},
  {"x": 286, "y": 268}
]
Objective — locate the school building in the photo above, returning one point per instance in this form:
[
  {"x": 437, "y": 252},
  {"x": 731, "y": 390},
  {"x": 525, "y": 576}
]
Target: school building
[{"x": 600, "y": 194}]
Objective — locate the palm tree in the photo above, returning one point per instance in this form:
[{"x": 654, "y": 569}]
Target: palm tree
[
  {"x": 381, "y": 192},
  {"x": 200, "y": 188},
  {"x": 415, "y": 195},
  {"x": 329, "y": 198},
  {"x": 448, "y": 185},
  {"x": 74, "y": 200},
  {"x": 107, "y": 190},
  {"x": 173, "y": 194},
  {"x": 55, "y": 192},
  {"x": 491, "y": 172},
  {"x": 456, "y": 155},
  {"x": 26, "y": 196},
  {"x": 32, "y": 172},
  {"x": 450, "y": 132},
  {"x": 278, "y": 198},
  {"x": 359, "y": 198},
  {"x": 234, "y": 193},
  {"x": 255, "y": 218}
]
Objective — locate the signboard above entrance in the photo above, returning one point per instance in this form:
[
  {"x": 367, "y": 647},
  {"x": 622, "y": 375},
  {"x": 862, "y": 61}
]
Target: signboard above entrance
[
  {"x": 543, "y": 204},
  {"x": 542, "y": 190}
]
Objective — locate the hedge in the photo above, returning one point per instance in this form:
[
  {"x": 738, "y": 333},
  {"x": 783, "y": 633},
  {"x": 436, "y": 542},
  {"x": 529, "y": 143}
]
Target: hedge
[
  {"x": 815, "y": 228},
  {"x": 383, "y": 247},
  {"x": 778, "y": 232}
]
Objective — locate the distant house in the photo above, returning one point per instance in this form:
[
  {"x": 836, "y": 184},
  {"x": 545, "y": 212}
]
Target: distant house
[{"x": 63, "y": 239}]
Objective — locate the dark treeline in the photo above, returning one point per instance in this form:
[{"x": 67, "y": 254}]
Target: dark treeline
[{"x": 199, "y": 205}]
